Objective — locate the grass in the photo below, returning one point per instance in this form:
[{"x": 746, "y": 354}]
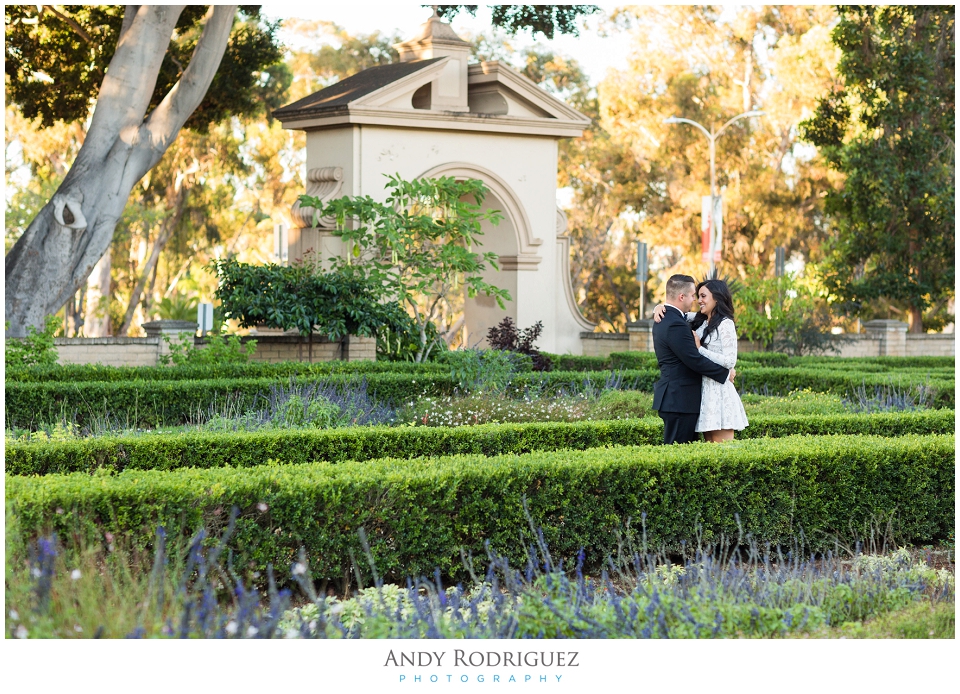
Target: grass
[{"x": 922, "y": 620}]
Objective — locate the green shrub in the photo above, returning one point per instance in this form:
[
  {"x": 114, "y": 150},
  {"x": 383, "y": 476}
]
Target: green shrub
[
  {"x": 249, "y": 449},
  {"x": 219, "y": 349},
  {"x": 36, "y": 349},
  {"x": 192, "y": 372},
  {"x": 484, "y": 370},
  {"x": 420, "y": 514}
]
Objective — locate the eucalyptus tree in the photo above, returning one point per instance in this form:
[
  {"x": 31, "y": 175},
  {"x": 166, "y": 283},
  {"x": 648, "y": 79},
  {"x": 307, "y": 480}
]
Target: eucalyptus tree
[{"x": 151, "y": 70}]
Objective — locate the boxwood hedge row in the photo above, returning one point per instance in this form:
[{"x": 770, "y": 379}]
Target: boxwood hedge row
[
  {"x": 158, "y": 403},
  {"x": 76, "y": 373},
  {"x": 63, "y": 373},
  {"x": 249, "y": 449},
  {"x": 419, "y": 514},
  {"x": 645, "y": 360}
]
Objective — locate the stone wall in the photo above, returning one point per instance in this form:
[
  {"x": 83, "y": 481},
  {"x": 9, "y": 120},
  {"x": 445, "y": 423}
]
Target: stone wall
[
  {"x": 112, "y": 351},
  {"x": 881, "y": 338},
  {"x": 603, "y": 344},
  {"x": 146, "y": 351},
  {"x": 942, "y": 345}
]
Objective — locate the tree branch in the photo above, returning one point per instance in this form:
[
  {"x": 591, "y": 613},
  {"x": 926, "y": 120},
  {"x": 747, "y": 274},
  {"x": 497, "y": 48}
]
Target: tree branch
[
  {"x": 183, "y": 99},
  {"x": 72, "y": 23},
  {"x": 127, "y": 87},
  {"x": 129, "y": 12}
]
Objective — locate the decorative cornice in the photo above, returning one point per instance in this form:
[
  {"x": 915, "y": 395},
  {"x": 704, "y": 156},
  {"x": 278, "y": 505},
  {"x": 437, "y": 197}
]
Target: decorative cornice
[
  {"x": 437, "y": 120},
  {"x": 324, "y": 183},
  {"x": 522, "y": 261}
]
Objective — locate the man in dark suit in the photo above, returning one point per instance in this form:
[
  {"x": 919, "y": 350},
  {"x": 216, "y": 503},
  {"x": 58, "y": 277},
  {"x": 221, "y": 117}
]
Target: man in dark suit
[{"x": 676, "y": 396}]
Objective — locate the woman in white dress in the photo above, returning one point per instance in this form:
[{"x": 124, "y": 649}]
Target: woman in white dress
[{"x": 721, "y": 411}]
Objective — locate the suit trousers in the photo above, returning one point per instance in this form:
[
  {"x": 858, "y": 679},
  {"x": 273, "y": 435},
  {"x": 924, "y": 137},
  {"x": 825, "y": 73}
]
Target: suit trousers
[{"x": 679, "y": 427}]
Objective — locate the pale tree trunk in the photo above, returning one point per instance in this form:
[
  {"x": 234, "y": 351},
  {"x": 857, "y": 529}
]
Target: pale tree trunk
[
  {"x": 97, "y": 316},
  {"x": 167, "y": 228},
  {"x": 60, "y": 248}
]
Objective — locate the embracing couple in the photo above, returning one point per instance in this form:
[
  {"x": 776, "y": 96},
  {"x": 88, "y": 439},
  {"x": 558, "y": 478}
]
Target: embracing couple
[{"x": 696, "y": 353}]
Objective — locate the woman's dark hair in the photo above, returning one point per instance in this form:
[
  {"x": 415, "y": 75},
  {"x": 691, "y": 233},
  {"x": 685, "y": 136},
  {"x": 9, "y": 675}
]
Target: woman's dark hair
[{"x": 721, "y": 294}]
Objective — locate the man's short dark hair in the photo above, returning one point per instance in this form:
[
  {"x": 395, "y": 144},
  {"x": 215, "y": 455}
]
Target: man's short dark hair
[{"x": 677, "y": 284}]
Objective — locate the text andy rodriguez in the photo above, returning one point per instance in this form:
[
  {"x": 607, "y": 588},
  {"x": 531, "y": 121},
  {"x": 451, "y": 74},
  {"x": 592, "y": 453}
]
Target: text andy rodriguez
[{"x": 462, "y": 658}]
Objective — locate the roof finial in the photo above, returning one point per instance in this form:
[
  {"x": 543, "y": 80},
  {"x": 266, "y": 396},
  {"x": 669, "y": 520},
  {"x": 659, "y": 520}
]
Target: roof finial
[{"x": 436, "y": 13}]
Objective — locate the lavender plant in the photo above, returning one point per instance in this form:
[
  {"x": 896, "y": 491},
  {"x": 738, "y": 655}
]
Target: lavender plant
[
  {"x": 888, "y": 398},
  {"x": 716, "y": 592}
]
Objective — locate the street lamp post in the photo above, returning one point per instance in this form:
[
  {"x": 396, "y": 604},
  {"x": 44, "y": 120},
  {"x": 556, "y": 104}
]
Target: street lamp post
[{"x": 714, "y": 197}]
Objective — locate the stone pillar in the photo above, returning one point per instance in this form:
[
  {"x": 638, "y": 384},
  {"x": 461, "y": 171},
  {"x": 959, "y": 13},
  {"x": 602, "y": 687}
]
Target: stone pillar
[
  {"x": 171, "y": 329},
  {"x": 641, "y": 335},
  {"x": 892, "y": 335}
]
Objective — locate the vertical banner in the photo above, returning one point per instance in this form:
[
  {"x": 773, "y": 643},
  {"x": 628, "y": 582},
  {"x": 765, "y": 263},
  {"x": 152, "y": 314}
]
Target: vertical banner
[
  {"x": 643, "y": 270},
  {"x": 281, "y": 243},
  {"x": 705, "y": 228},
  {"x": 717, "y": 220},
  {"x": 204, "y": 317}
]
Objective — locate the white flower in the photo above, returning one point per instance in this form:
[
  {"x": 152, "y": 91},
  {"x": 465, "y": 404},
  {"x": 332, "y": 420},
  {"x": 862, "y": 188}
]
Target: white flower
[
  {"x": 251, "y": 631},
  {"x": 262, "y": 507},
  {"x": 291, "y": 634},
  {"x": 299, "y": 569},
  {"x": 35, "y": 572},
  {"x": 14, "y": 614},
  {"x": 231, "y": 627},
  {"x": 77, "y": 628},
  {"x": 75, "y": 574},
  {"x": 22, "y": 632}
]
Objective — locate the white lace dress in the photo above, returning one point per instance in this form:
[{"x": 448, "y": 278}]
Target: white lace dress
[{"x": 720, "y": 405}]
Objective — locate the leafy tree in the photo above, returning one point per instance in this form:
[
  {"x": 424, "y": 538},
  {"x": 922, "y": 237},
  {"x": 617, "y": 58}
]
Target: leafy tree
[
  {"x": 298, "y": 297},
  {"x": 152, "y": 89},
  {"x": 417, "y": 246},
  {"x": 890, "y": 131},
  {"x": 544, "y": 19},
  {"x": 635, "y": 178},
  {"x": 784, "y": 314},
  {"x": 148, "y": 86}
]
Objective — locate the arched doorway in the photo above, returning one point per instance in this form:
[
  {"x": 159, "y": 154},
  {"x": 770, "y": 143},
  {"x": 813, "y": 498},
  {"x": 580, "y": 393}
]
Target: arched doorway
[{"x": 510, "y": 240}]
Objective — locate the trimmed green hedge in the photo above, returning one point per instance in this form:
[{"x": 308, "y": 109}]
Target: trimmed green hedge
[
  {"x": 780, "y": 381},
  {"x": 169, "y": 403},
  {"x": 75, "y": 373},
  {"x": 64, "y": 373},
  {"x": 648, "y": 360},
  {"x": 418, "y": 514},
  {"x": 248, "y": 449}
]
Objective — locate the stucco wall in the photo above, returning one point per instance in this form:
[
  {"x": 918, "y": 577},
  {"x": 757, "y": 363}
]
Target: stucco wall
[{"x": 522, "y": 171}]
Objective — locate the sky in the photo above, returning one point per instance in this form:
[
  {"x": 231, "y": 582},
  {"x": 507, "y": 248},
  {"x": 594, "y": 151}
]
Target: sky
[{"x": 595, "y": 52}]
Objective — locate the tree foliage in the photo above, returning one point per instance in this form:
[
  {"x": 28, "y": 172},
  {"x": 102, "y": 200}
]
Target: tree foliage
[
  {"x": 890, "y": 131},
  {"x": 633, "y": 177},
  {"x": 543, "y": 19},
  {"x": 417, "y": 245},
  {"x": 56, "y": 60},
  {"x": 298, "y": 297}
]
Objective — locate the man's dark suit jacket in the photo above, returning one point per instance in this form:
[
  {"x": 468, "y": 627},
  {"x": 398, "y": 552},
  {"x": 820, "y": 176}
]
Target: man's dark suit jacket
[{"x": 681, "y": 365}]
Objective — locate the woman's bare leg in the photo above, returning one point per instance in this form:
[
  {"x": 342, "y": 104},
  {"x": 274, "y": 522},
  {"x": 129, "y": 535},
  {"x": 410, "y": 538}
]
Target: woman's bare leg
[{"x": 718, "y": 435}]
